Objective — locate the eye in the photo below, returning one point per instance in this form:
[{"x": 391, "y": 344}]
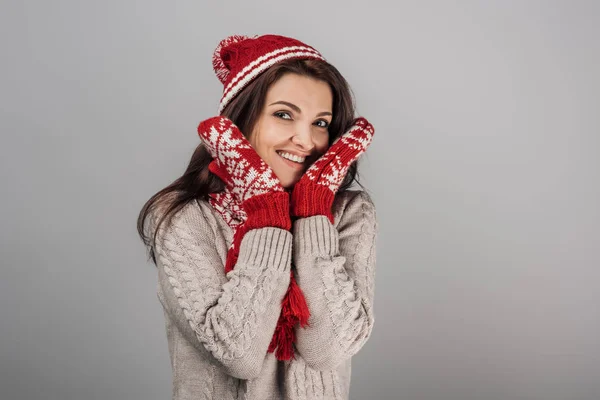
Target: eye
[
  {"x": 325, "y": 123},
  {"x": 279, "y": 113}
]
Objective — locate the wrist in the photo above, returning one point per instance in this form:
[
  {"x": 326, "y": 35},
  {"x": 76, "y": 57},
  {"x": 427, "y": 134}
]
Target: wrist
[
  {"x": 268, "y": 209},
  {"x": 310, "y": 200}
]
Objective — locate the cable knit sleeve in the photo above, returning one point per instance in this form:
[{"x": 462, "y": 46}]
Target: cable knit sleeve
[
  {"x": 231, "y": 318},
  {"x": 336, "y": 269}
]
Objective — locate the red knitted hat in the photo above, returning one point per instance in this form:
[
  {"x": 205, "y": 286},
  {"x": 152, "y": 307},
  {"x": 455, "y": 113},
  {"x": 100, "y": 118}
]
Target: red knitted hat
[{"x": 238, "y": 59}]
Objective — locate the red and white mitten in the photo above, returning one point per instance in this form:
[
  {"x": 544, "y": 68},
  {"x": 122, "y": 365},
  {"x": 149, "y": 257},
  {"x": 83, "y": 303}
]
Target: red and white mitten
[
  {"x": 246, "y": 176},
  {"x": 315, "y": 191}
]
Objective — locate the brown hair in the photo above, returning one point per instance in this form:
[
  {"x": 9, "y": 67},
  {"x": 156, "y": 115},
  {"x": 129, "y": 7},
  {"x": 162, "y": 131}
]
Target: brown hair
[{"x": 244, "y": 110}]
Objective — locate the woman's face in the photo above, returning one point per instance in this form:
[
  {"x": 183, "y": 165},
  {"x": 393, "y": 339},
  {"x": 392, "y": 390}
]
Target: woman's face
[{"x": 294, "y": 123}]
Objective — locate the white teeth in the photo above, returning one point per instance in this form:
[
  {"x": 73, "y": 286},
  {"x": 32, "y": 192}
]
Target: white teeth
[{"x": 291, "y": 157}]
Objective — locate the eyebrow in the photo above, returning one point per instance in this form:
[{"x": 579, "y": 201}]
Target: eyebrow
[{"x": 296, "y": 108}]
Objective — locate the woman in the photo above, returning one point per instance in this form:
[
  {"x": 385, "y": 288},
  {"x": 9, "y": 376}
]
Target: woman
[{"x": 265, "y": 259}]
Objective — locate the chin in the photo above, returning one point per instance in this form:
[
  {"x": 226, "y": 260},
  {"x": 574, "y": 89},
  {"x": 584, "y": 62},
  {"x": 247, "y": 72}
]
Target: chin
[{"x": 288, "y": 184}]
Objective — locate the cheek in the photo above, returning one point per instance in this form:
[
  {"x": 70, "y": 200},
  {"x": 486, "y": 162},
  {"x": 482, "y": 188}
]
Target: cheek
[
  {"x": 323, "y": 144},
  {"x": 274, "y": 133},
  {"x": 254, "y": 137},
  {"x": 262, "y": 140}
]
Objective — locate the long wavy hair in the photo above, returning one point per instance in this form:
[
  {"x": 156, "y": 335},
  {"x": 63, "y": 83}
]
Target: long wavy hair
[{"x": 197, "y": 182}]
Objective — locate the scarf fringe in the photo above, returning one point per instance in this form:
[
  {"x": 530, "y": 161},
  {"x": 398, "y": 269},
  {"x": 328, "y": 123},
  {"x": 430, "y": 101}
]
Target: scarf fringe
[{"x": 294, "y": 310}]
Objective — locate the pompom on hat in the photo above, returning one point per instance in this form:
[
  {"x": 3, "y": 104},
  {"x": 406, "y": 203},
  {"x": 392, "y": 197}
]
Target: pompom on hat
[{"x": 238, "y": 59}]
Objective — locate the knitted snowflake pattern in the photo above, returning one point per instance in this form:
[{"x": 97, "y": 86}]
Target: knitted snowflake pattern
[
  {"x": 235, "y": 161},
  {"x": 332, "y": 167},
  {"x": 242, "y": 170},
  {"x": 229, "y": 208}
]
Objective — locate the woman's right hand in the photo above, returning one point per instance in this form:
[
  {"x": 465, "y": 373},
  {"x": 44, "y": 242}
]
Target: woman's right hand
[{"x": 251, "y": 181}]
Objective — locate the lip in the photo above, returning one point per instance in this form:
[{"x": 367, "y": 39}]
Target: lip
[
  {"x": 294, "y": 153},
  {"x": 291, "y": 164}
]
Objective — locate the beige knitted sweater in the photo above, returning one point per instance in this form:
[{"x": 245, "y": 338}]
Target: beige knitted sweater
[{"x": 219, "y": 326}]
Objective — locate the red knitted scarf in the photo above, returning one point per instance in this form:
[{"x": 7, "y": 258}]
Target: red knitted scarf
[{"x": 294, "y": 309}]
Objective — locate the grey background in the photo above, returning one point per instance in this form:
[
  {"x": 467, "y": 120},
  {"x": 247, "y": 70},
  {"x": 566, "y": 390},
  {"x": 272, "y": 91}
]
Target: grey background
[{"x": 484, "y": 170}]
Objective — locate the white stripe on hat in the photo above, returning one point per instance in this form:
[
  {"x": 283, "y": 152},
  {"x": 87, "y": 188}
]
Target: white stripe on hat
[
  {"x": 261, "y": 64},
  {"x": 264, "y": 57}
]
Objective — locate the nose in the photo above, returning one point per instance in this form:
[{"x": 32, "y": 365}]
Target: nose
[{"x": 303, "y": 139}]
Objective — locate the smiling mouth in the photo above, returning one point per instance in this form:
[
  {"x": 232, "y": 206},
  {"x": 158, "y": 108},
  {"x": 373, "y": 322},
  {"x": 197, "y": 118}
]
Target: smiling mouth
[
  {"x": 291, "y": 157},
  {"x": 294, "y": 163}
]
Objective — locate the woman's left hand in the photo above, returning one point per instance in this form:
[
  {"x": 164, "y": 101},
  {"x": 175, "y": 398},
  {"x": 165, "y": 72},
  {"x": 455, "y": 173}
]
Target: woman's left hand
[{"x": 315, "y": 191}]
